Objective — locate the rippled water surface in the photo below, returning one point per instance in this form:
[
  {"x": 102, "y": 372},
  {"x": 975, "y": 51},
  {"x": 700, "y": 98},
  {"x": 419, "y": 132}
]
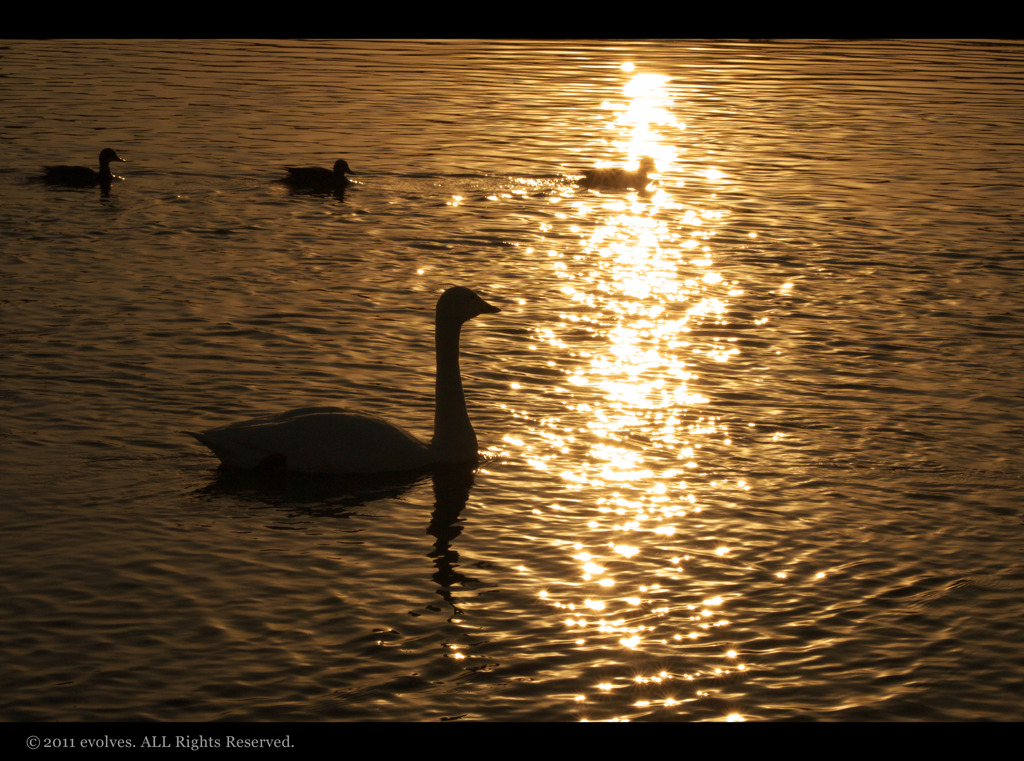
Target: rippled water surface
[{"x": 755, "y": 437}]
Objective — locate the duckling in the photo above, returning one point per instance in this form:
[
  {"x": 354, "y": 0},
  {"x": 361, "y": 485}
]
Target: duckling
[
  {"x": 83, "y": 176},
  {"x": 317, "y": 179},
  {"x": 615, "y": 178}
]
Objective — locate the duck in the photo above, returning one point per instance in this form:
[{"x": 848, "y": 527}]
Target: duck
[
  {"x": 615, "y": 178},
  {"x": 318, "y": 179},
  {"x": 83, "y": 176},
  {"x": 335, "y": 440}
]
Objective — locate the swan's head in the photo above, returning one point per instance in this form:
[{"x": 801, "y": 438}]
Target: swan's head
[
  {"x": 647, "y": 164},
  {"x": 341, "y": 167},
  {"x": 460, "y": 304},
  {"x": 109, "y": 154}
]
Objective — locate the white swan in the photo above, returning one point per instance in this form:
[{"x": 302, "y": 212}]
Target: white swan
[{"x": 335, "y": 440}]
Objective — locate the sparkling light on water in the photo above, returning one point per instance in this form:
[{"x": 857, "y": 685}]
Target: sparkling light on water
[{"x": 641, "y": 279}]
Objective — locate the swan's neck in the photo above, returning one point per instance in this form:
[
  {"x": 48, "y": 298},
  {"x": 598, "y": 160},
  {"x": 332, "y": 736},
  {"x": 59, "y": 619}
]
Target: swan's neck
[{"x": 454, "y": 439}]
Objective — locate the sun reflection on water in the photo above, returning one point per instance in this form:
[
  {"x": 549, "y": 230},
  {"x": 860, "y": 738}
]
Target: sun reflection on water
[
  {"x": 643, "y": 296},
  {"x": 637, "y": 119}
]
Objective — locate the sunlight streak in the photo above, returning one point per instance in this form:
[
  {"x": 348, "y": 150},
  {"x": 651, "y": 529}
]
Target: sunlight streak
[{"x": 645, "y": 306}]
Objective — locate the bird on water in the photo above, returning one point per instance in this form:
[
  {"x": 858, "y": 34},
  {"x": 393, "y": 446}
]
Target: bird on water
[
  {"x": 83, "y": 176},
  {"x": 317, "y": 179},
  {"x": 333, "y": 440},
  {"x": 616, "y": 178}
]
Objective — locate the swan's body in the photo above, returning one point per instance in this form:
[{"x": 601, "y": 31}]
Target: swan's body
[
  {"x": 318, "y": 179},
  {"x": 335, "y": 440},
  {"x": 615, "y": 178},
  {"x": 83, "y": 176},
  {"x": 317, "y": 440}
]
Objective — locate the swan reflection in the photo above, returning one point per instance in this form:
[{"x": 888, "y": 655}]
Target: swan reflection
[
  {"x": 339, "y": 496},
  {"x": 316, "y": 495},
  {"x": 452, "y": 484}
]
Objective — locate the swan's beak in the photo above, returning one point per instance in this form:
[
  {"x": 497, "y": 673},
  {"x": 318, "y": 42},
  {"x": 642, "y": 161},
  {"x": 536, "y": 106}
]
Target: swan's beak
[{"x": 486, "y": 308}]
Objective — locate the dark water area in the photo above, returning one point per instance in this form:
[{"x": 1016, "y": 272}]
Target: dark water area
[{"x": 754, "y": 438}]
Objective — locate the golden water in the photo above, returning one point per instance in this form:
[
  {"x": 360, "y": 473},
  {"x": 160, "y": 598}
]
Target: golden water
[{"x": 755, "y": 437}]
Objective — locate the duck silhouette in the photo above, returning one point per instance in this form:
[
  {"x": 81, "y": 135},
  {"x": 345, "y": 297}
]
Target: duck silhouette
[
  {"x": 317, "y": 179},
  {"x": 615, "y": 178},
  {"x": 332, "y": 440},
  {"x": 83, "y": 176}
]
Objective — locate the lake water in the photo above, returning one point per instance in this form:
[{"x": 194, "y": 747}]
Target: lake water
[{"x": 755, "y": 439}]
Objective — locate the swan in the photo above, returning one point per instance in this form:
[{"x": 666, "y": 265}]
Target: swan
[
  {"x": 614, "y": 178},
  {"x": 319, "y": 179},
  {"x": 83, "y": 176},
  {"x": 339, "y": 441}
]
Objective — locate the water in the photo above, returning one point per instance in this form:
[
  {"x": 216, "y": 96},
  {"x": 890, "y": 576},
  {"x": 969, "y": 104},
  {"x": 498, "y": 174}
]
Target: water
[{"x": 755, "y": 441}]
